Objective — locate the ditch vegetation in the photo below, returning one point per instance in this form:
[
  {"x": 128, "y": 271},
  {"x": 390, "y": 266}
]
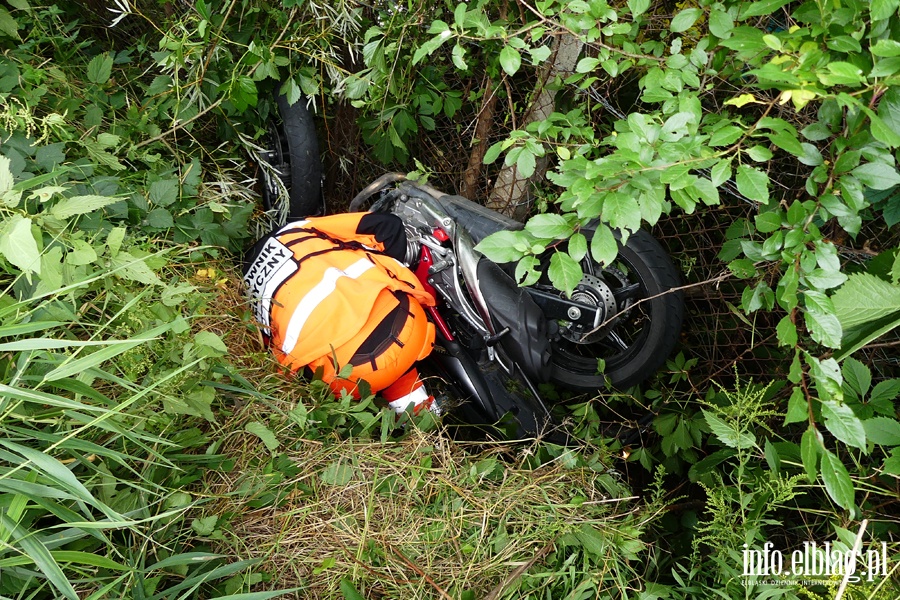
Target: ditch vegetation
[{"x": 149, "y": 446}]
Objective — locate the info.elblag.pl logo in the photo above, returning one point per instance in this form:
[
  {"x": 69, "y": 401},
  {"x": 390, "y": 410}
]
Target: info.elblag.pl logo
[{"x": 815, "y": 560}]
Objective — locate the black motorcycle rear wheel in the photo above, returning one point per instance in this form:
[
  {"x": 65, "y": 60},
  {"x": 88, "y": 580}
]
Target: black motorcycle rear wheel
[
  {"x": 292, "y": 181},
  {"x": 639, "y": 340}
]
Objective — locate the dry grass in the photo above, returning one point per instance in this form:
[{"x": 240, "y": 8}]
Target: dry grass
[{"x": 424, "y": 517}]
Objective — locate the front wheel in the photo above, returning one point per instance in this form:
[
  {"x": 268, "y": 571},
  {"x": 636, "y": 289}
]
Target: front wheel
[
  {"x": 637, "y": 341},
  {"x": 291, "y": 169}
]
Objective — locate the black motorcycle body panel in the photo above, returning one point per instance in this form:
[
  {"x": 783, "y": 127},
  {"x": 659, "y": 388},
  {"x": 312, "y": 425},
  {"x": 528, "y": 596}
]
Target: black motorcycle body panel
[
  {"x": 487, "y": 393},
  {"x": 527, "y": 337}
]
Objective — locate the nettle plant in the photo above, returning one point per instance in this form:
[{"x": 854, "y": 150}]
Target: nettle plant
[{"x": 729, "y": 93}]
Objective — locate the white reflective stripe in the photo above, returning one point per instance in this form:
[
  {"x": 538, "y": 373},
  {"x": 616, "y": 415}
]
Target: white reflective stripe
[
  {"x": 290, "y": 226},
  {"x": 414, "y": 398},
  {"x": 316, "y": 296}
]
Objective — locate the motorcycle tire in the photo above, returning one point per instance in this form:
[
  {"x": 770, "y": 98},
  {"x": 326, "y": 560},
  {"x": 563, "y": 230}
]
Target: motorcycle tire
[
  {"x": 292, "y": 150},
  {"x": 652, "y": 327}
]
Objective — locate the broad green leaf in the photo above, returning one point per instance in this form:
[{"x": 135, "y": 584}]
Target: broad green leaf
[
  {"x": 768, "y": 222},
  {"x": 827, "y": 375},
  {"x": 604, "y": 247},
  {"x": 773, "y": 460},
  {"x": 500, "y": 247},
  {"x": 548, "y": 226},
  {"x": 841, "y": 73},
  {"x": 540, "y": 54},
  {"x": 114, "y": 240},
  {"x": 525, "y": 164},
  {"x": 844, "y": 424},
  {"x": 578, "y": 247},
  {"x": 882, "y": 132},
  {"x": 824, "y": 327},
  {"x": 786, "y": 332},
  {"x": 837, "y": 480},
  {"x": 160, "y": 218},
  {"x": 745, "y": 39},
  {"x": 865, "y": 298},
  {"x": 133, "y": 268},
  {"x": 638, "y": 7},
  {"x": 79, "y": 205},
  {"x": 264, "y": 433},
  {"x": 885, "y": 391},
  {"x": 337, "y": 473},
  {"x": 349, "y": 592},
  {"x": 527, "y": 272},
  {"x": 882, "y": 431},
  {"x": 816, "y": 132},
  {"x": 759, "y": 153},
  {"x": 883, "y": 9},
  {"x": 763, "y": 7},
  {"x": 291, "y": 91},
  {"x": 753, "y": 183},
  {"x": 8, "y": 25},
  {"x": 798, "y": 407},
  {"x": 788, "y": 142},
  {"x": 205, "y": 525},
  {"x": 591, "y": 540},
  {"x": 459, "y": 57},
  {"x": 492, "y": 153},
  {"x": 510, "y": 60},
  {"x": 18, "y": 245},
  {"x": 208, "y": 339},
  {"x": 100, "y": 68},
  {"x": 163, "y": 192},
  {"x": 720, "y": 23},
  {"x": 725, "y": 136},
  {"x": 886, "y": 48},
  {"x": 587, "y": 64},
  {"x": 622, "y": 211},
  {"x": 438, "y": 26},
  {"x": 743, "y": 268},
  {"x": 707, "y": 464},
  {"x": 877, "y": 176},
  {"x": 857, "y": 376},
  {"x": 685, "y": 19},
  {"x": 892, "y": 463},
  {"x": 564, "y": 272},
  {"x": 727, "y": 435},
  {"x": 721, "y": 173},
  {"x": 677, "y": 126},
  {"x": 810, "y": 447}
]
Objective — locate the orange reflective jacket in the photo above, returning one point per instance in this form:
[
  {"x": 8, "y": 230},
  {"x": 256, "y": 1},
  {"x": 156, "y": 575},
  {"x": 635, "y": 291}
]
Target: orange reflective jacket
[{"x": 316, "y": 284}]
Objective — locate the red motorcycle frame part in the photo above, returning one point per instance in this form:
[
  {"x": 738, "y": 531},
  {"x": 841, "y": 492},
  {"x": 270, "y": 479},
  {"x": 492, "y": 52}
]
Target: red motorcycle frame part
[{"x": 426, "y": 260}]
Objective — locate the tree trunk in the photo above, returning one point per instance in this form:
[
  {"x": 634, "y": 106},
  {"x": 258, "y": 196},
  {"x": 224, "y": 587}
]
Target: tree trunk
[
  {"x": 470, "y": 187},
  {"x": 510, "y": 195}
]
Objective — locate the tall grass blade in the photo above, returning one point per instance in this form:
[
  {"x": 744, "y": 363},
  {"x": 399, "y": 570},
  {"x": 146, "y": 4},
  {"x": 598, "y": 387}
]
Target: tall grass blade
[
  {"x": 95, "y": 359},
  {"x": 41, "y": 557}
]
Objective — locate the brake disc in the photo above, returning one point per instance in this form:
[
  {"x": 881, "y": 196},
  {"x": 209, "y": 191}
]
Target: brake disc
[{"x": 591, "y": 290}]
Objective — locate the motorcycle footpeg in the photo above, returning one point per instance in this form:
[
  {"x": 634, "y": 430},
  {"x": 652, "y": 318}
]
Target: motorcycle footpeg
[{"x": 493, "y": 340}]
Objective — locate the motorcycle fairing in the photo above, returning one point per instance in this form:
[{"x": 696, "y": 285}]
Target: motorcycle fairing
[
  {"x": 488, "y": 393},
  {"x": 527, "y": 337},
  {"x": 478, "y": 220}
]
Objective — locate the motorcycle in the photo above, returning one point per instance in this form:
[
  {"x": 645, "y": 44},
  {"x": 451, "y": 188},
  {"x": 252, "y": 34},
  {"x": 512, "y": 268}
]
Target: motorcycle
[{"x": 497, "y": 342}]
